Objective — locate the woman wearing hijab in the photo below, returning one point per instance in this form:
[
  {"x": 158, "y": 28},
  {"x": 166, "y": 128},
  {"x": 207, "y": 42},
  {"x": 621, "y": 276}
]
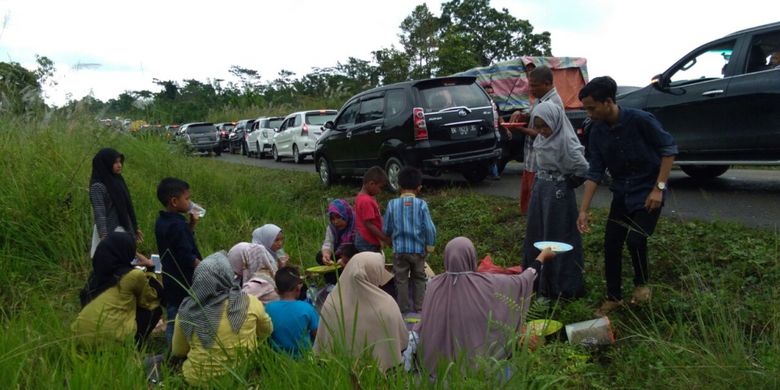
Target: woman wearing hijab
[
  {"x": 358, "y": 316},
  {"x": 338, "y": 246},
  {"x": 467, "y": 314},
  {"x": 552, "y": 214},
  {"x": 272, "y": 238},
  {"x": 118, "y": 301},
  {"x": 216, "y": 321},
  {"x": 111, "y": 204},
  {"x": 255, "y": 268}
]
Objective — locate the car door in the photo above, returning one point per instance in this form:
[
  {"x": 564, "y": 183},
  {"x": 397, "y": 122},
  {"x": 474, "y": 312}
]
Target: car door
[
  {"x": 694, "y": 107},
  {"x": 367, "y": 134},
  {"x": 339, "y": 141},
  {"x": 754, "y": 96},
  {"x": 281, "y": 135}
]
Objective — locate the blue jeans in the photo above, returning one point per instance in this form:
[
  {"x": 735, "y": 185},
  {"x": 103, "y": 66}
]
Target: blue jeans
[
  {"x": 171, "y": 311},
  {"x": 361, "y": 245}
]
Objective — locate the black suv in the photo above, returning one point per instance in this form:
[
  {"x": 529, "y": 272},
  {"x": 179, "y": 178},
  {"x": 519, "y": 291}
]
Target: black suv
[
  {"x": 437, "y": 125},
  {"x": 238, "y": 136}
]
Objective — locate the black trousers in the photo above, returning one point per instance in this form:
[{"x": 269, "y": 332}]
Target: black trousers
[
  {"x": 145, "y": 321},
  {"x": 633, "y": 229}
]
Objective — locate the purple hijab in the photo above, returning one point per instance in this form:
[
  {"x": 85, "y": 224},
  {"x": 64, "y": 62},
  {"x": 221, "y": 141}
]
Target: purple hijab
[
  {"x": 341, "y": 208},
  {"x": 464, "y": 312}
]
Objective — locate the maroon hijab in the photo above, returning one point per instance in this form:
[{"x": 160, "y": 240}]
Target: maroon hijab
[{"x": 465, "y": 312}]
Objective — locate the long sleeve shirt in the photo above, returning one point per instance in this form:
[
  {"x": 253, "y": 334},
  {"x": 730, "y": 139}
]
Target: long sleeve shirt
[
  {"x": 631, "y": 150},
  {"x": 408, "y": 223},
  {"x": 176, "y": 245},
  {"x": 103, "y": 209}
]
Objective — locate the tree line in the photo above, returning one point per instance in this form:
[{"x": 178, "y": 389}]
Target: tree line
[{"x": 467, "y": 34}]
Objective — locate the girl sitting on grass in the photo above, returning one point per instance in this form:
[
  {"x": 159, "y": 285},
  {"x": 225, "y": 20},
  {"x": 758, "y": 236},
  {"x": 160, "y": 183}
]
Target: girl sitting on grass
[
  {"x": 216, "y": 322},
  {"x": 255, "y": 268},
  {"x": 118, "y": 301},
  {"x": 272, "y": 238}
]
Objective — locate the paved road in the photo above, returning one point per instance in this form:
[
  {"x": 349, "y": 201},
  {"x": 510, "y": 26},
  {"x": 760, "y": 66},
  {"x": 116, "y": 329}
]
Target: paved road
[{"x": 750, "y": 197}]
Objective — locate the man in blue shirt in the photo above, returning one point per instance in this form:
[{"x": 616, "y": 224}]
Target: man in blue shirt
[
  {"x": 408, "y": 223},
  {"x": 638, "y": 153}
]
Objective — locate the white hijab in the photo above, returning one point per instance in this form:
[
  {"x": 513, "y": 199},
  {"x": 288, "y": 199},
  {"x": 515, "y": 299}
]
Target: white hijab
[
  {"x": 266, "y": 235},
  {"x": 561, "y": 151}
]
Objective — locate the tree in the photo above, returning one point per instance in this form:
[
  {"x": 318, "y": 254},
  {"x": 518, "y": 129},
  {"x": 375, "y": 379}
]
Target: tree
[
  {"x": 20, "y": 92},
  {"x": 420, "y": 39},
  {"x": 392, "y": 65}
]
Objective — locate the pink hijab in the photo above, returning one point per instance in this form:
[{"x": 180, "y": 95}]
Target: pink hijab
[{"x": 465, "y": 312}]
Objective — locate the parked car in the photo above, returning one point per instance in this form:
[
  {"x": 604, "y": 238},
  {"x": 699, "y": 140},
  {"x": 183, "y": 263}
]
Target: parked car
[
  {"x": 438, "y": 125},
  {"x": 260, "y": 140},
  {"x": 238, "y": 136},
  {"x": 719, "y": 102},
  {"x": 298, "y": 133},
  {"x": 200, "y": 137},
  {"x": 223, "y": 131}
]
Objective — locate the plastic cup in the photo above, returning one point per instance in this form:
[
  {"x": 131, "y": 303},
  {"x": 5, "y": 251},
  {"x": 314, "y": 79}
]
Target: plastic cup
[
  {"x": 157, "y": 264},
  {"x": 196, "y": 209}
]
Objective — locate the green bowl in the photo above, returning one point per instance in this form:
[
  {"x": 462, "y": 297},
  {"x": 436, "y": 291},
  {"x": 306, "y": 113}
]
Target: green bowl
[{"x": 544, "y": 327}]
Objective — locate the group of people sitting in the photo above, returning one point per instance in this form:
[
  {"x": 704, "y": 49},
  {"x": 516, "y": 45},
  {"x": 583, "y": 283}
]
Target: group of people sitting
[{"x": 231, "y": 301}]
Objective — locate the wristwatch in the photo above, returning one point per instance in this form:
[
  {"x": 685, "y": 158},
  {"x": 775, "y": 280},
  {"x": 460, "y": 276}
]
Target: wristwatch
[{"x": 661, "y": 185}]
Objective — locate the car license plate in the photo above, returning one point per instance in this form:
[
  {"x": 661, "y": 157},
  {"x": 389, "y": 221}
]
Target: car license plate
[{"x": 465, "y": 131}]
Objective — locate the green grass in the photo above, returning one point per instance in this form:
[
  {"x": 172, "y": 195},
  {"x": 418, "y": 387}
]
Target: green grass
[{"x": 712, "y": 322}]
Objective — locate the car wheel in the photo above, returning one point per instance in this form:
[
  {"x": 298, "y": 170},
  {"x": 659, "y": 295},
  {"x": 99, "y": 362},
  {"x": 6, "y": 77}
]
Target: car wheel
[
  {"x": 393, "y": 168},
  {"x": 275, "y": 154},
  {"x": 218, "y": 151},
  {"x": 475, "y": 174},
  {"x": 296, "y": 155},
  {"x": 704, "y": 171},
  {"x": 327, "y": 176}
]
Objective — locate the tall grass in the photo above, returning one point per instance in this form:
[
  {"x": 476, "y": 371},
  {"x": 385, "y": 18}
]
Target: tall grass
[{"x": 712, "y": 322}]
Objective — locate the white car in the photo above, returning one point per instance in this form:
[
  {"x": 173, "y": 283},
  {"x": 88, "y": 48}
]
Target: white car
[
  {"x": 260, "y": 141},
  {"x": 298, "y": 134}
]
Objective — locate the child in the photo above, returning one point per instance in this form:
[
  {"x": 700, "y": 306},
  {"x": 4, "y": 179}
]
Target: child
[
  {"x": 176, "y": 244},
  {"x": 369, "y": 235},
  {"x": 408, "y": 222},
  {"x": 295, "y": 322}
]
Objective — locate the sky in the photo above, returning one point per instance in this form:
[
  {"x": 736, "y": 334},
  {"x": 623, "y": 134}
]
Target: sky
[{"x": 108, "y": 47}]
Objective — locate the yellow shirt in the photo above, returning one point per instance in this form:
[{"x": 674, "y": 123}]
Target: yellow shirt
[
  {"x": 111, "y": 316},
  {"x": 203, "y": 363}
]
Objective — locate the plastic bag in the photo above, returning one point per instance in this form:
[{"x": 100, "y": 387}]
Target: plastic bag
[{"x": 487, "y": 266}]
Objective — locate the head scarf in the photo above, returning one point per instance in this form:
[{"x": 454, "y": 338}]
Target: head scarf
[
  {"x": 248, "y": 259},
  {"x": 212, "y": 284},
  {"x": 341, "y": 208},
  {"x": 103, "y": 172},
  {"x": 266, "y": 235},
  {"x": 358, "y": 315},
  {"x": 466, "y": 312},
  {"x": 561, "y": 151},
  {"x": 111, "y": 261}
]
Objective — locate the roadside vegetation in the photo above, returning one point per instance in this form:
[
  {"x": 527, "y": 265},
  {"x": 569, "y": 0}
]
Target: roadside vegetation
[{"x": 712, "y": 322}]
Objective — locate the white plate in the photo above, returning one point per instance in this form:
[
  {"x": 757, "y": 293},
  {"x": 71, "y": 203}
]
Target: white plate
[{"x": 557, "y": 247}]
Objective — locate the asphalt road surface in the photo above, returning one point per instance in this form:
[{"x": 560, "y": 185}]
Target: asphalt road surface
[{"x": 747, "y": 196}]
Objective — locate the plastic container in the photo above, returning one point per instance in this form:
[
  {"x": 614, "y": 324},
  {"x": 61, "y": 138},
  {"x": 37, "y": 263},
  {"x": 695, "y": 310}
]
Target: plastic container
[
  {"x": 591, "y": 333},
  {"x": 196, "y": 209}
]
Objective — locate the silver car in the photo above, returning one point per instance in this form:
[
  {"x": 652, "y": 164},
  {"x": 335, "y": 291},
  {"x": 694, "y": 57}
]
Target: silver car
[
  {"x": 200, "y": 137},
  {"x": 298, "y": 134}
]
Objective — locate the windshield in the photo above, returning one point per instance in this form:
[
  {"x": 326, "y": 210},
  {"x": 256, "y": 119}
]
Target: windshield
[
  {"x": 444, "y": 96},
  {"x": 201, "y": 129},
  {"x": 319, "y": 118}
]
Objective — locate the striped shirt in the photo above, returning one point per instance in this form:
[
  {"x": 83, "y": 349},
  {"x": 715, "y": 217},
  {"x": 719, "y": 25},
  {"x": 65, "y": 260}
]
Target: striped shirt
[
  {"x": 408, "y": 222},
  {"x": 104, "y": 210}
]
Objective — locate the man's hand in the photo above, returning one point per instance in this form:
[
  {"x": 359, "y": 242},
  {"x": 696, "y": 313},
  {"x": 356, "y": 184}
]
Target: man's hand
[
  {"x": 654, "y": 199},
  {"x": 583, "y": 225}
]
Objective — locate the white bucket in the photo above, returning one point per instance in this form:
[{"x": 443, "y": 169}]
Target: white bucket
[{"x": 591, "y": 332}]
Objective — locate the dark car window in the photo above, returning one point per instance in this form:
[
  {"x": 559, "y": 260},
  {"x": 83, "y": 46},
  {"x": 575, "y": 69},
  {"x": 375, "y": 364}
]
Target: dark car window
[
  {"x": 201, "y": 129},
  {"x": 395, "y": 102},
  {"x": 348, "y": 115},
  {"x": 446, "y": 95},
  {"x": 371, "y": 109},
  {"x": 285, "y": 124},
  {"x": 762, "y": 47},
  {"x": 319, "y": 118},
  {"x": 709, "y": 63},
  {"x": 275, "y": 123}
]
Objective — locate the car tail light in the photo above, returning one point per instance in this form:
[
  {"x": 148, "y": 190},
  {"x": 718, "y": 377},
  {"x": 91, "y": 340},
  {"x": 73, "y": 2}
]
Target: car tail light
[
  {"x": 420, "y": 128},
  {"x": 304, "y": 130}
]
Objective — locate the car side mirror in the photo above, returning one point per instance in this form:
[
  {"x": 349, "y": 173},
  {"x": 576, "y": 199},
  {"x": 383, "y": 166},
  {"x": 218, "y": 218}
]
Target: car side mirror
[
  {"x": 328, "y": 125},
  {"x": 660, "y": 82}
]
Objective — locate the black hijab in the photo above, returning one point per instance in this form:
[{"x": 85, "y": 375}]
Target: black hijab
[
  {"x": 103, "y": 172},
  {"x": 111, "y": 261}
]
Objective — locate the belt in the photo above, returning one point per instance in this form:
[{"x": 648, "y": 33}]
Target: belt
[{"x": 550, "y": 176}]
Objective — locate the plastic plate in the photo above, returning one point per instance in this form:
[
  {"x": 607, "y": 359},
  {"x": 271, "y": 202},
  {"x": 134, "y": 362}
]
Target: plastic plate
[
  {"x": 557, "y": 247},
  {"x": 321, "y": 269},
  {"x": 544, "y": 327}
]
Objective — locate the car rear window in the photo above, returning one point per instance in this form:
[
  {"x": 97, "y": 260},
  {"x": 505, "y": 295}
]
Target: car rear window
[
  {"x": 439, "y": 97},
  {"x": 201, "y": 129},
  {"x": 227, "y": 127},
  {"x": 319, "y": 118}
]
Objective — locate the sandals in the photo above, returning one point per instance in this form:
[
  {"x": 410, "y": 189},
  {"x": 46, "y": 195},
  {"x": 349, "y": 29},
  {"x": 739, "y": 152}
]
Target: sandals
[
  {"x": 607, "y": 307},
  {"x": 641, "y": 295}
]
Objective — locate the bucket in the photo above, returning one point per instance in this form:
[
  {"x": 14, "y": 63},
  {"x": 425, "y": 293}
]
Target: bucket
[{"x": 591, "y": 333}]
